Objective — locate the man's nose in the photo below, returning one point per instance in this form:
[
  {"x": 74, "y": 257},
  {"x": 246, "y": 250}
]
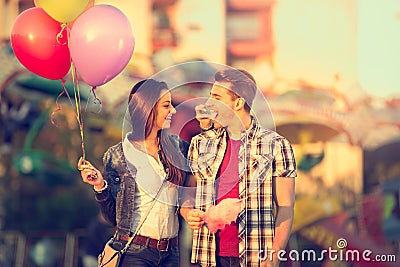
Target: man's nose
[{"x": 210, "y": 102}]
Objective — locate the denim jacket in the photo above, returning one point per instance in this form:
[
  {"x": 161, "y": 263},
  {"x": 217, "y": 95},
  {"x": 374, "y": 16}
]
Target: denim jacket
[{"x": 117, "y": 200}]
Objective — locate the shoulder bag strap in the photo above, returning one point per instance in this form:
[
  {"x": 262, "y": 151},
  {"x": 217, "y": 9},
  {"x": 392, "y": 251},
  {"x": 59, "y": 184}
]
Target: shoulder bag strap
[{"x": 144, "y": 217}]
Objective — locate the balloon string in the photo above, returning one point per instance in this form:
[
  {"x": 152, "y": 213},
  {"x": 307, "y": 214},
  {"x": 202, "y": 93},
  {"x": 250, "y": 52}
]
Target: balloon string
[
  {"x": 60, "y": 34},
  {"x": 58, "y": 108},
  {"x": 96, "y": 100},
  {"x": 78, "y": 112}
]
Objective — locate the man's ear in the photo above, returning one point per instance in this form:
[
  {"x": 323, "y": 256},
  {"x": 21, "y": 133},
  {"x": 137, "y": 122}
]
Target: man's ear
[{"x": 239, "y": 103}]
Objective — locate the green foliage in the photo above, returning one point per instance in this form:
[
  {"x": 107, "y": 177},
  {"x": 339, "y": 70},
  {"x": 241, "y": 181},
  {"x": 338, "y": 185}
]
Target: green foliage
[{"x": 40, "y": 187}]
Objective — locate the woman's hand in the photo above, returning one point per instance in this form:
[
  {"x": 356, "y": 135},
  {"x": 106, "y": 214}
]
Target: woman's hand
[
  {"x": 194, "y": 217},
  {"x": 90, "y": 174}
]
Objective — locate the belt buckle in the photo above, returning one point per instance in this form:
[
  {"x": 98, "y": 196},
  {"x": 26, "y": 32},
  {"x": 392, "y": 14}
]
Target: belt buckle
[{"x": 158, "y": 245}]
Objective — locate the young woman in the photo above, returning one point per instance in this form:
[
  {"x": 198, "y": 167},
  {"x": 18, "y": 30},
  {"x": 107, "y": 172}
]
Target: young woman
[{"x": 134, "y": 171}]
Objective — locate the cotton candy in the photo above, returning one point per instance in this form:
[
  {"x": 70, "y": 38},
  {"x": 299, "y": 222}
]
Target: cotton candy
[{"x": 222, "y": 214}]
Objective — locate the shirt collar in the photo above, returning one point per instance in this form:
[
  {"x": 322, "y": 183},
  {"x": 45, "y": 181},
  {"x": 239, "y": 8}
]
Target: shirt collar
[
  {"x": 250, "y": 132},
  {"x": 134, "y": 156}
]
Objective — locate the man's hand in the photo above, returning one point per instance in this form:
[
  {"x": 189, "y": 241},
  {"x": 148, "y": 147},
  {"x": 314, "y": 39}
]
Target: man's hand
[
  {"x": 268, "y": 263},
  {"x": 204, "y": 115}
]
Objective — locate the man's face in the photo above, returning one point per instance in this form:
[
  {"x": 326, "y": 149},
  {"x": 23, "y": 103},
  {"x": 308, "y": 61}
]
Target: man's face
[{"x": 222, "y": 103}]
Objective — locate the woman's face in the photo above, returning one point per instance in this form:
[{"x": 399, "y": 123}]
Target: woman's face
[{"x": 164, "y": 111}]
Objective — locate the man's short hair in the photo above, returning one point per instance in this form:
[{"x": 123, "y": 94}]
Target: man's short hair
[{"x": 243, "y": 84}]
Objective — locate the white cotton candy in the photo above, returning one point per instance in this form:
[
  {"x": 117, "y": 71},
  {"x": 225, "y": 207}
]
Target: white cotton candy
[{"x": 222, "y": 214}]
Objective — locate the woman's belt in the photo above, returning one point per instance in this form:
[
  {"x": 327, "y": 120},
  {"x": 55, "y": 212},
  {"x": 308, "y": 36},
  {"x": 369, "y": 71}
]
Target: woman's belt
[{"x": 161, "y": 245}]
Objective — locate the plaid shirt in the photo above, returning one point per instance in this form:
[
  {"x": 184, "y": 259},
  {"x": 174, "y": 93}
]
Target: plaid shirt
[{"x": 263, "y": 154}]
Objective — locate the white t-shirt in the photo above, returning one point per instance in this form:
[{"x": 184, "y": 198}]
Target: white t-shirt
[{"x": 162, "y": 221}]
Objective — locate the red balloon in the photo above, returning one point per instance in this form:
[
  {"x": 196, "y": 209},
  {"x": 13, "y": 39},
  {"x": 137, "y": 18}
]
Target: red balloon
[{"x": 36, "y": 45}]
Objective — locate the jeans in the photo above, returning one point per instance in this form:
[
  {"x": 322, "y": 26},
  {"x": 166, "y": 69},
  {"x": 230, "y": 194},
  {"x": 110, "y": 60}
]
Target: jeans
[
  {"x": 141, "y": 256},
  {"x": 228, "y": 261}
]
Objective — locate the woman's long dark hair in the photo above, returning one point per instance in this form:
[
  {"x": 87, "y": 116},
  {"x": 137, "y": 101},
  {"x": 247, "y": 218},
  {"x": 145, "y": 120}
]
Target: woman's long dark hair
[{"x": 143, "y": 100}]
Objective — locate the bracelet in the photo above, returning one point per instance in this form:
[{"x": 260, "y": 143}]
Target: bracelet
[
  {"x": 102, "y": 189},
  {"x": 206, "y": 129}
]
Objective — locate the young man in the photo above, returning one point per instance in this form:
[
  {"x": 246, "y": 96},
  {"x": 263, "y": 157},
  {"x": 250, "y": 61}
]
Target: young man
[{"x": 238, "y": 158}]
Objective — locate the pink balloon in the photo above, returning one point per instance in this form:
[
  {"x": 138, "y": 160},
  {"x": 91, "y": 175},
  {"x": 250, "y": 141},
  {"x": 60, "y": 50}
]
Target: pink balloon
[
  {"x": 101, "y": 44},
  {"x": 36, "y": 45}
]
